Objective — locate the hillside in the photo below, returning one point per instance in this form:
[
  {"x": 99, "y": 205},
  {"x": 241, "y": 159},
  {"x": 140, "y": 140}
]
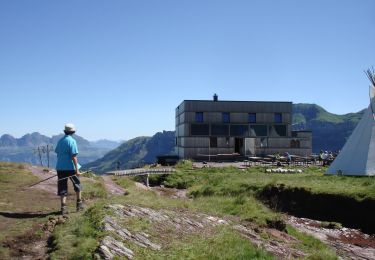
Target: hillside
[
  {"x": 135, "y": 152},
  {"x": 24, "y": 149},
  {"x": 330, "y": 131}
]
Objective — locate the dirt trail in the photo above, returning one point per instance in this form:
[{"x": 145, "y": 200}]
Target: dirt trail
[
  {"x": 32, "y": 205},
  {"x": 48, "y": 185},
  {"x": 33, "y": 244},
  {"x": 112, "y": 187}
]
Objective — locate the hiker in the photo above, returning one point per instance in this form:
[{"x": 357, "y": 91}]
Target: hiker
[
  {"x": 68, "y": 166},
  {"x": 321, "y": 155},
  {"x": 277, "y": 159},
  {"x": 288, "y": 158},
  {"x": 325, "y": 157}
]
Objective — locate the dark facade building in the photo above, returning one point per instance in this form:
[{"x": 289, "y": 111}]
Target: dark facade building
[{"x": 248, "y": 128}]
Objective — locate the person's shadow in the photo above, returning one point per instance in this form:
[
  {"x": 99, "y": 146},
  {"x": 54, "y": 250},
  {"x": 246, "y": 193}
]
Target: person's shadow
[{"x": 25, "y": 215}]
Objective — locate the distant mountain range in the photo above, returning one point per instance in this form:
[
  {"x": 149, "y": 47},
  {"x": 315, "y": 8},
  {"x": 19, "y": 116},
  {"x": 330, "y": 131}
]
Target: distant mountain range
[
  {"x": 136, "y": 152},
  {"x": 25, "y": 149}
]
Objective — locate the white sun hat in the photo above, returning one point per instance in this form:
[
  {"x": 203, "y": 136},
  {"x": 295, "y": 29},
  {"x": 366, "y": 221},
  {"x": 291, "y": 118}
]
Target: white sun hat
[{"x": 70, "y": 127}]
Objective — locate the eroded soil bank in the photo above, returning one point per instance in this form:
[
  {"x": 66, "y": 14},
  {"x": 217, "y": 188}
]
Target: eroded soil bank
[{"x": 301, "y": 202}]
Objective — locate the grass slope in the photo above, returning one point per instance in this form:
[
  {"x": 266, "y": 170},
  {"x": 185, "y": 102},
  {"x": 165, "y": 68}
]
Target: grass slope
[
  {"x": 23, "y": 210},
  {"x": 221, "y": 192}
]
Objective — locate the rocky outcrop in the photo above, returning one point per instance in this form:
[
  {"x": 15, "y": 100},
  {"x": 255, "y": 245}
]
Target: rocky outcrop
[
  {"x": 180, "y": 222},
  {"x": 348, "y": 243},
  {"x": 140, "y": 238}
]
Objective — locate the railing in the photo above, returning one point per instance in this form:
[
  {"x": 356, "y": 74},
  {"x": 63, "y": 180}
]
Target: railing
[{"x": 142, "y": 171}]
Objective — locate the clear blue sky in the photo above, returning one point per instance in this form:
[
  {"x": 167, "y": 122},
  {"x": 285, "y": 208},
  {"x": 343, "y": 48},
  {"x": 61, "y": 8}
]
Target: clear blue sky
[{"x": 118, "y": 69}]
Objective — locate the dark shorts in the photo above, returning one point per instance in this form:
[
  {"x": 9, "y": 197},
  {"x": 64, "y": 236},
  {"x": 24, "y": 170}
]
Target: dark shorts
[{"x": 62, "y": 184}]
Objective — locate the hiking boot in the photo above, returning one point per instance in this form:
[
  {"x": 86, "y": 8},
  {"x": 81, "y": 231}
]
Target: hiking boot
[
  {"x": 64, "y": 210},
  {"x": 79, "y": 205}
]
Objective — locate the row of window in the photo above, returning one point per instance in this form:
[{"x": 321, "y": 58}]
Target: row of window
[
  {"x": 252, "y": 117},
  {"x": 237, "y": 130},
  {"x": 263, "y": 142}
]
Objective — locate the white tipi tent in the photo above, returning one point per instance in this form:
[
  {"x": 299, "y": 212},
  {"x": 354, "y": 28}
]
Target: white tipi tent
[{"x": 358, "y": 154}]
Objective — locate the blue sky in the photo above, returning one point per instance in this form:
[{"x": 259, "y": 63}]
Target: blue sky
[{"x": 118, "y": 69}]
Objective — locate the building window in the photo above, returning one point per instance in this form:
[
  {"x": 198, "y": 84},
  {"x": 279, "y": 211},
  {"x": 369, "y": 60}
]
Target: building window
[
  {"x": 258, "y": 130},
  {"x": 252, "y": 117},
  {"x": 277, "y": 130},
  {"x": 199, "y": 129},
  {"x": 220, "y": 130},
  {"x": 278, "y": 118},
  {"x": 213, "y": 142},
  {"x": 239, "y": 130},
  {"x": 199, "y": 117},
  {"x": 226, "y": 117}
]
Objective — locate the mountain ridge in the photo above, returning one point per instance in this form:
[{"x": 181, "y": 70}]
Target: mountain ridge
[
  {"x": 25, "y": 148},
  {"x": 329, "y": 131},
  {"x": 135, "y": 152}
]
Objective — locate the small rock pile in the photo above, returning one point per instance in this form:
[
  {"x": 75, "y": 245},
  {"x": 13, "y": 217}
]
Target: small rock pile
[
  {"x": 52, "y": 222},
  {"x": 282, "y": 170}
]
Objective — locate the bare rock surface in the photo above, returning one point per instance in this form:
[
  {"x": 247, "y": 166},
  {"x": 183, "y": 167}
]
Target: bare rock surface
[
  {"x": 181, "y": 222},
  {"x": 348, "y": 243},
  {"x": 141, "y": 239},
  {"x": 110, "y": 248},
  {"x": 172, "y": 193},
  {"x": 283, "y": 250},
  {"x": 141, "y": 186}
]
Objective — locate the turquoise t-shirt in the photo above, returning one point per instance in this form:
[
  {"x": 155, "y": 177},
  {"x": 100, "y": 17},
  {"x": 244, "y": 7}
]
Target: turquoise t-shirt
[{"x": 65, "y": 149}]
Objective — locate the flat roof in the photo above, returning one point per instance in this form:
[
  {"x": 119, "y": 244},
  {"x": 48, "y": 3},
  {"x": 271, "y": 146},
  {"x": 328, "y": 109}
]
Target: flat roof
[
  {"x": 190, "y": 100},
  {"x": 233, "y": 101}
]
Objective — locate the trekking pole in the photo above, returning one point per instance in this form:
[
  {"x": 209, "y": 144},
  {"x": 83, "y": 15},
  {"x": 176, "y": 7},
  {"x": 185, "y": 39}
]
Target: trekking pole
[
  {"x": 52, "y": 177},
  {"x": 41, "y": 181},
  {"x": 73, "y": 175}
]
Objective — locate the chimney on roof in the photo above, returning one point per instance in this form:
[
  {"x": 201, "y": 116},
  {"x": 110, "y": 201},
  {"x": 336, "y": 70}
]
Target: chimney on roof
[{"x": 216, "y": 97}]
